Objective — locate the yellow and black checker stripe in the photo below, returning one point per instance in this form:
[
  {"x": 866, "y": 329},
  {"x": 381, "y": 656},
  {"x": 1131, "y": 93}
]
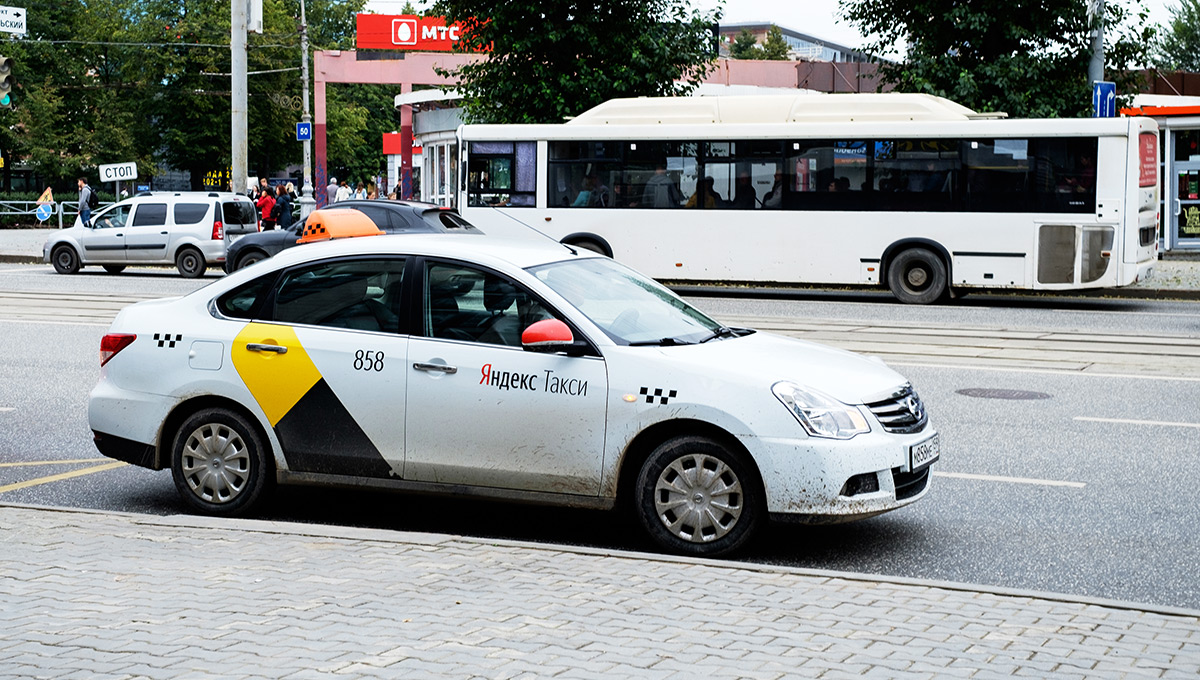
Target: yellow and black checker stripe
[{"x": 316, "y": 430}]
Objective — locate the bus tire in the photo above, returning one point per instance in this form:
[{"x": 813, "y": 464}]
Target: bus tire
[{"x": 917, "y": 276}]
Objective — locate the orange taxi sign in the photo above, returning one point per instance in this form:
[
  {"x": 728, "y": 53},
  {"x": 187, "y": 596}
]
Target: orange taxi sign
[{"x": 331, "y": 223}]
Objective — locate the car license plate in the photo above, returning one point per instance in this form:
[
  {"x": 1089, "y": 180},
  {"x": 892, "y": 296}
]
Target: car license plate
[{"x": 924, "y": 453}]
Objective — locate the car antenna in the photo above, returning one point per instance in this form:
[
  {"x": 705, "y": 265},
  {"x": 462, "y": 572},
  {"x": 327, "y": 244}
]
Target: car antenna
[{"x": 535, "y": 229}]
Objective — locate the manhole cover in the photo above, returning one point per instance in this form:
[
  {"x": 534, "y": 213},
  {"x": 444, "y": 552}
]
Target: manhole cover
[{"x": 993, "y": 393}]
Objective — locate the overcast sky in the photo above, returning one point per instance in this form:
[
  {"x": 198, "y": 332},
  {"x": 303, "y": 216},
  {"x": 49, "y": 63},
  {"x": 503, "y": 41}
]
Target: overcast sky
[{"x": 817, "y": 18}]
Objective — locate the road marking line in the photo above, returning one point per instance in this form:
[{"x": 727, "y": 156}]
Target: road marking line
[
  {"x": 53, "y": 462},
  {"x": 1126, "y": 421},
  {"x": 7, "y": 409},
  {"x": 63, "y": 476},
  {"x": 1011, "y": 480},
  {"x": 1042, "y": 371}
]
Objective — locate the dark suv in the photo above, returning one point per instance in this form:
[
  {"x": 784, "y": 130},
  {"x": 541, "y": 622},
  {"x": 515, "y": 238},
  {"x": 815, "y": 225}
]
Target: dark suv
[{"x": 393, "y": 217}]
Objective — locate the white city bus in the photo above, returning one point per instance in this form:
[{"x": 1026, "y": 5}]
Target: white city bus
[{"x": 909, "y": 191}]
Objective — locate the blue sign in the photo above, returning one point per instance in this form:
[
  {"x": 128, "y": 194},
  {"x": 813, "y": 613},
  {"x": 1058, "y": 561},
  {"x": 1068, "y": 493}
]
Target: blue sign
[
  {"x": 43, "y": 212},
  {"x": 1104, "y": 99},
  {"x": 303, "y": 132}
]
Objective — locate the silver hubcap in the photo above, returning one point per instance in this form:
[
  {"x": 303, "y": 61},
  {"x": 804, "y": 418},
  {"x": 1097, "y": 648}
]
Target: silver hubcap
[
  {"x": 917, "y": 277},
  {"x": 698, "y": 498},
  {"x": 216, "y": 463}
]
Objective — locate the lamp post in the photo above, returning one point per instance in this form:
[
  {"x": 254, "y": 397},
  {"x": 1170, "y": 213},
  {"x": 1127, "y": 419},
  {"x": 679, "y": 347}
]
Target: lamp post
[{"x": 307, "y": 200}]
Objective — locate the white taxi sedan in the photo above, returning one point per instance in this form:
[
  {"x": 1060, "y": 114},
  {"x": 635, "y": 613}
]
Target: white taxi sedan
[{"x": 516, "y": 371}]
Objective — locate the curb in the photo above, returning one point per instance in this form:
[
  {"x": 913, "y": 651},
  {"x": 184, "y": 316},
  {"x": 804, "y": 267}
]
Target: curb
[
  {"x": 434, "y": 539},
  {"x": 800, "y": 292},
  {"x": 20, "y": 259}
]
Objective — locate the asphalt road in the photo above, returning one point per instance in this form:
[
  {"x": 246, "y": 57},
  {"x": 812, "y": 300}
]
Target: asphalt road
[{"x": 1086, "y": 490}]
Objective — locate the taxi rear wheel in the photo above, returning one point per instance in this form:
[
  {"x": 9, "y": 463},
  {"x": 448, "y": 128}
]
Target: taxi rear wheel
[
  {"x": 219, "y": 463},
  {"x": 190, "y": 263},
  {"x": 696, "y": 496}
]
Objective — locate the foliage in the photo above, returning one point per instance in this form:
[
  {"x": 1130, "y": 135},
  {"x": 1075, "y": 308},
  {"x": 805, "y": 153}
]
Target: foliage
[
  {"x": 1178, "y": 48},
  {"x": 775, "y": 47},
  {"x": 745, "y": 46},
  {"x": 111, "y": 81},
  {"x": 1028, "y": 58},
  {"x": 550, "y": 59},
  {"x": 357, "y": 116}
]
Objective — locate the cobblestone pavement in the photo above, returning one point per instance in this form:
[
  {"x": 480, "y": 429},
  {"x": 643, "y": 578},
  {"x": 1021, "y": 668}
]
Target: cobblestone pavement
[{"x": 105, "y": 595}]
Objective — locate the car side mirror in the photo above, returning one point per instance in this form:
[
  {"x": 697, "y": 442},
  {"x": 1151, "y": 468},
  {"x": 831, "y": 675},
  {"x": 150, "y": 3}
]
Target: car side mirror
[{"x": 550, "y": 336}]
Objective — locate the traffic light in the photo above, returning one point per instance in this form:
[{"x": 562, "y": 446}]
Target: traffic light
[{"x": 6, "y": 83}]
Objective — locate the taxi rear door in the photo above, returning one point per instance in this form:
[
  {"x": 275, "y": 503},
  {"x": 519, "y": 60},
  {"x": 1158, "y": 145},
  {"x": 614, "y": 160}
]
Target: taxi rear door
[{"x": 327, "y": 366}]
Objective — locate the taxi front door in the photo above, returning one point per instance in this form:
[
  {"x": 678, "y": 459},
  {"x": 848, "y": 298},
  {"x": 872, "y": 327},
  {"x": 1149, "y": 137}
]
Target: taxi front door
[{"x": 482, "y": 411}]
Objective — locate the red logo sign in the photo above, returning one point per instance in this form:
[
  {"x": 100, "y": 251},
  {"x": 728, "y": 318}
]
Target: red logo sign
[
  {"x": 1149, "y": 152},
  {"x": 405, "y": 32}
]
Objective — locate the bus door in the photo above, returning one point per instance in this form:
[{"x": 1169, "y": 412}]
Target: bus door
[{"x": 1184, "y": 221}]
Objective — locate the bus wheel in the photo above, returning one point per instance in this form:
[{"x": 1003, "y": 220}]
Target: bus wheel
[{"x": 917, "y": 277}]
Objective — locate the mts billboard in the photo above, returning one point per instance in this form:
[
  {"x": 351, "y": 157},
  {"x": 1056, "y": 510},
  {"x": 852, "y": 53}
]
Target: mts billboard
[{"x": 405, "y": 32}]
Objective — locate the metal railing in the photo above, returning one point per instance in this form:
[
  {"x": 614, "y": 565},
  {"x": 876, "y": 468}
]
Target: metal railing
[{"x": 58, "y": 208}]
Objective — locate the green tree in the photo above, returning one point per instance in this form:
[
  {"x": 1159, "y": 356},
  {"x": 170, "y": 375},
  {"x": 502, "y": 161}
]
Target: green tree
[
  {"x": 1178, "y": 48},
  {"x": 550, "y": 59},
  {"x": 74, "y": 102},
  {"x": 775, "y": 47},
  {"x": 745, "y": 46},
  {"x": 1025, "y": 57},
  {"x": 357, "y": 116}
]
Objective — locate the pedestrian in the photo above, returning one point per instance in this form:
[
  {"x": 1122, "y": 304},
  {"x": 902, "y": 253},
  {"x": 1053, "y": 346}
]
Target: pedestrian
[
  {"x": 283, "y": 208},
  {"x": 291, "y": 190},
  {"x": 263, "y": 186},
  {"x": 266, "y": 204},
  {"x": 399, "y": 190},
  {"x": 360, "y": 192},
  {"x": 343, "y": 192},
  {"x": 331, "y": 191},
  {"x": 85, "y": 202},
  {"x": 372, "y": 192}
]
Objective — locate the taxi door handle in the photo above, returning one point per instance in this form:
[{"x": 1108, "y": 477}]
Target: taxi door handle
[
  {"x": 259, "y": 347},
  {"x": 437, "y": 368}
]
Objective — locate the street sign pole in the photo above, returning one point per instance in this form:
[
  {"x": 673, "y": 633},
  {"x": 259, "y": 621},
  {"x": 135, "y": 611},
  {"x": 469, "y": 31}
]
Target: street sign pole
[
  {"x": 238, "y": 135},
  {"x": 307, "y": 199}
]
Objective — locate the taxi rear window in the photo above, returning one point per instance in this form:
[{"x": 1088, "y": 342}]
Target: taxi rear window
[{"x": 243, "y": 302}]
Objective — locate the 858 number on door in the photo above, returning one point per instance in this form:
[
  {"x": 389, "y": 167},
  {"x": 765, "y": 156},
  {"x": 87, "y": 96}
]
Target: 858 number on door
[{"x": 367, "y": 360}]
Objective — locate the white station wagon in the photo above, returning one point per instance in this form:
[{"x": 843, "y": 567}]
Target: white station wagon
[
  {"x": 508, "y": 370},
  {"x": 186, "y": 229}
]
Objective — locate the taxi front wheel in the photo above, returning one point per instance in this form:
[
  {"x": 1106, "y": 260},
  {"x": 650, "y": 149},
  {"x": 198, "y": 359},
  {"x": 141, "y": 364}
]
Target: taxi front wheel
[
  {"x": 696, "y": 496},
  {"x": 219, "y": 464}
]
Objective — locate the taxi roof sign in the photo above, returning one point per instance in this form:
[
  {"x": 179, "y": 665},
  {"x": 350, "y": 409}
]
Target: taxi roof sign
[{"x": 331, "y": 223}]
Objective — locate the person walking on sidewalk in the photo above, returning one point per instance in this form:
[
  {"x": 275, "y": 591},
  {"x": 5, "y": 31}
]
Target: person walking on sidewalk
[
  {"x": 86, "y": 198},
  {"x": 283, "y": 208},
  {"x": 331, "y": 191},
  {"x": 266, "y": 204}
]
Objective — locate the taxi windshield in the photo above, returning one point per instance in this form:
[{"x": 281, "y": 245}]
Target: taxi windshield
[{"x": 629, "y": 307}]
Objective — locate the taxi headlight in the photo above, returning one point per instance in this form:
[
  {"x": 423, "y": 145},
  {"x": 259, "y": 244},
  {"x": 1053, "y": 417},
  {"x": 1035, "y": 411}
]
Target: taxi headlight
[{"x": 820, "y": 414}]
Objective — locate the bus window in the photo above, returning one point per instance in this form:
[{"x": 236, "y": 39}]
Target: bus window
[
  {"x": 828, "y": 175},
  {"x": 502, "y": 173},
  {"x": 743, "y": 172},
  {"x": 915, "y": 174},
  {"x": 583, "y": 174},
  {"x": 653, "y": 171}
]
